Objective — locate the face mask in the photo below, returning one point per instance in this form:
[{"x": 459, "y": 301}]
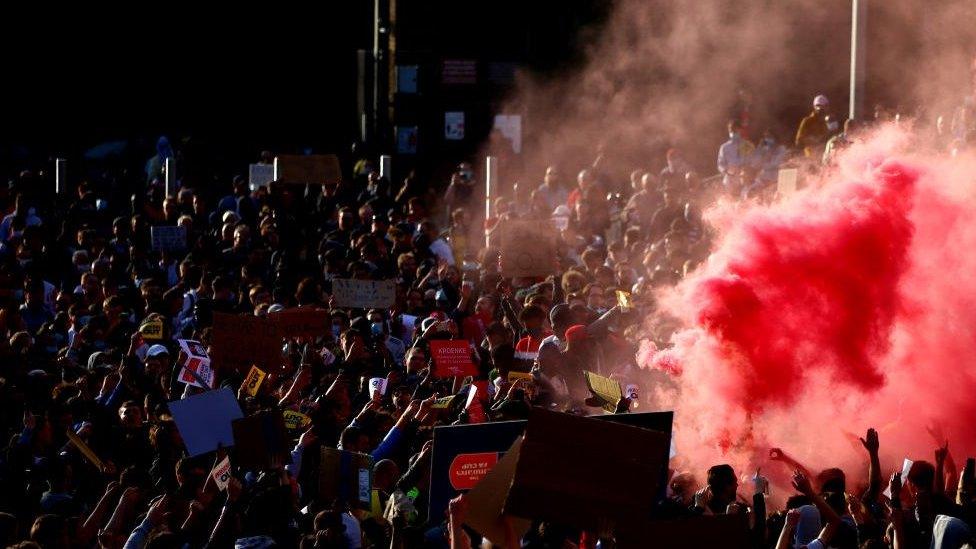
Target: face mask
[
  {"x": 336, "y": 330},
  {"x": 769, "y": 141},
  {"x": 377, "y": 328},
  {"x": 99, "y": 345},
  {"x": 83, "y": 320},
  {"x": 731, "y": 135},
  {"x": 19, "y": 295}
]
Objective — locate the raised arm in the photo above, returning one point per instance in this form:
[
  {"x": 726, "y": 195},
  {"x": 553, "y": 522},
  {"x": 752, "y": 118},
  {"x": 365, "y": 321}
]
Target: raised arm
[
  {"x": 871, "y": 444},
  {"x": 827, "y": 513}
]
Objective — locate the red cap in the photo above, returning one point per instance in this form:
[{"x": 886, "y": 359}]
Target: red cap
[{"x": 576, "y": 333}]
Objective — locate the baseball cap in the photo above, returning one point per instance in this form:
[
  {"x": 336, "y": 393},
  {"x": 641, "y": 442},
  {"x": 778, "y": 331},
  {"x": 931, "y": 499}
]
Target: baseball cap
[
  {"x": 576, "y": 333},
  {"x": 157, "y": 350},
  {"x": 821, "y": 101}
]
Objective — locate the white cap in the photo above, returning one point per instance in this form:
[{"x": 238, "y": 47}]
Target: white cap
[
  {"x": 157, "y": 350},
  {"x": 276, "y": 308},
  {"x": 821, "y": 101}
]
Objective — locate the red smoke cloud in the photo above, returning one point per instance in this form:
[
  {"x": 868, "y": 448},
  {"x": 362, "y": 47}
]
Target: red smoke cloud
[{"x": 850, "y": 305}]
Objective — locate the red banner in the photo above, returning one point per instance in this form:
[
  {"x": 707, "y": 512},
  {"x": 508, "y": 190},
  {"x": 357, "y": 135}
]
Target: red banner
[{"x": 452, "y": 358}]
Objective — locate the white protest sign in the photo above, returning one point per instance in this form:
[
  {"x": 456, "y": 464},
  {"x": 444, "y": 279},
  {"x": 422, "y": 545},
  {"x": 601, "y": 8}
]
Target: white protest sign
[
  {"x": 454, "y": 125},
  {"x": 363, "y": 294},
  {"x": 510, "y": 125},
  {"x": 259, "y": 175},
  {"x": 906, "y": 466},
  {"x": 168, "y": 238},
  {"x": 787, "y": 181},
  {"x": 377, "y": 385},
  {"x": 196, "y": 369},
  {"x": 221, "y": 473}
]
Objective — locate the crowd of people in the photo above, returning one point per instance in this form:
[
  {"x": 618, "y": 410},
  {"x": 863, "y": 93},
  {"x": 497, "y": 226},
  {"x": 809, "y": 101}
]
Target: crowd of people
[{"x": 80, "y": 279}]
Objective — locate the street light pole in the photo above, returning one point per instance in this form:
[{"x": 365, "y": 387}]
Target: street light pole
[{"x": 859, "y": 19}]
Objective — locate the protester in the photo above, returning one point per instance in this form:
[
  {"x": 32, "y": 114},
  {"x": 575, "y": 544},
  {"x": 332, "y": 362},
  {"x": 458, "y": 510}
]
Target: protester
[{"x": 95, "y": 314}]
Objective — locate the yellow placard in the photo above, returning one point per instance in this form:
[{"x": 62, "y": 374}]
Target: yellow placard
[
  {"x": 152, "y": 330},
  {"x": 86, "y": 450},
  {"x": 442, "y": 403},
  {"x": 607, "y": 389},
  {"x": 253, "y": 380},
  {"x": 295, "y": 420},
  {"x": 515, "y": 376},
  {"x": 624, "y": 300}
]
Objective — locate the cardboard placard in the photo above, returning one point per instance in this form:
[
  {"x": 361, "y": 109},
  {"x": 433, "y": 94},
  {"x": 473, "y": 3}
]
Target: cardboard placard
[
  {"x": 377, "y": 385},
  {"x": 787, "y": 181},
  {"x": 725, "y": 531},
  {"x": 906, "y": 467},
  {"x": 453, "y": 440},
  {"x": 168, "y": 238},
  {"x": 301, "y": 322},
  {"x": 239, "y": 342},
  {"x": 252, "y": 383},
  {"x": 454, "y": 125},
  {"x": 487, "y": 498},
  {"x": 86, "y": 450},
  {"x": 516, "y": 376},
  {"x": 152, "y": 329},
  {"x": 442, "y": 403},
  {"x": 295, "y": 421},
  {"x": 450, "y": 442},
  {"x": 221, "y": 474},
  {"x": 364, "y": 294},
  {"x": 314, "y": 169},
  {"x": 196, "y": 365},
  {"x": 347, "y": 477},
  {"x": 624, "y": 301},
  {"x": 204, "y": 420},
  {"x": 452, "y": 358},
  {"x": 517, "y": 259},
  {"x": 605, "y": 388},
  {"x": 259, "y": 175},
  {"x": 586, "y": 472},
  {"x": 261, "y": 441}
]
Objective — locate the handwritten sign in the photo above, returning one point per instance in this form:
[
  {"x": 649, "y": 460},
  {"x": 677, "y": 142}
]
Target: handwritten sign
[
  {"x": 315, "y": 169},
  {"x": 239, "y": 342},
  {"x": 787, "y": 181},
  {"x": 452, "y": 358},
  {"x": 259, "y": 175},
  {"x": 364, "y": 294},
  {"x": 252, "y": 383},
  {"x": 301, "y": 322},
  {"x": 168, "y": 238}
]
